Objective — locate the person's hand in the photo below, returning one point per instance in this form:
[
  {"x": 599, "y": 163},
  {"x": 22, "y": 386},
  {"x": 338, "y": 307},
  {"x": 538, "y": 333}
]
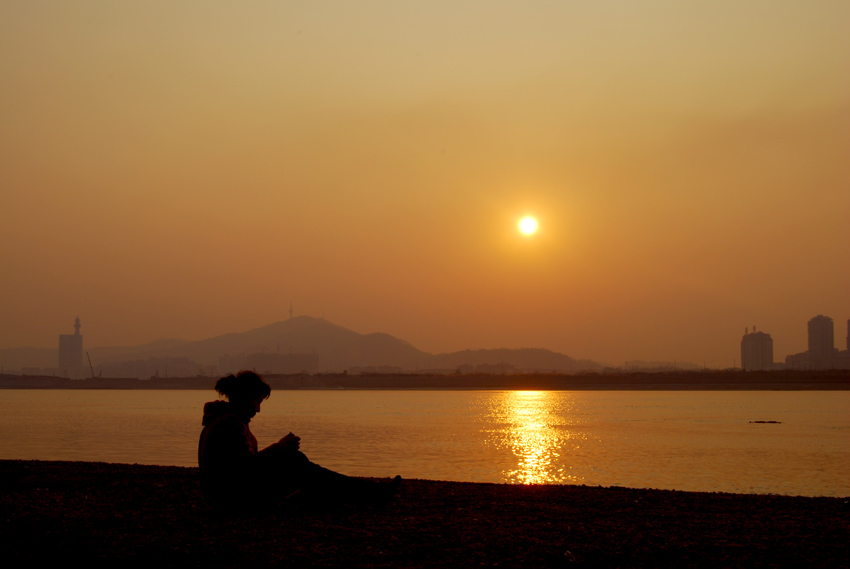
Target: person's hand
[{"x": 290, "y": 442}]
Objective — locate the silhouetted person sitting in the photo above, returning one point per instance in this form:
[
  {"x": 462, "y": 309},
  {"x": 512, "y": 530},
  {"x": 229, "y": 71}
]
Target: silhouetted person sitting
[{"x": 235, "y": 475}]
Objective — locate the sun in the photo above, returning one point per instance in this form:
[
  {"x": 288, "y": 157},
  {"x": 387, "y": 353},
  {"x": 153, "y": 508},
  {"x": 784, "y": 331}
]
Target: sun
[{"x": 528, "y": 225}]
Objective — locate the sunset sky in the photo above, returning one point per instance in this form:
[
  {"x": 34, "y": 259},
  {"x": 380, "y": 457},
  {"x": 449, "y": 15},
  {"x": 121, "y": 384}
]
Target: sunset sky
[{"x": 187, "y": 169}]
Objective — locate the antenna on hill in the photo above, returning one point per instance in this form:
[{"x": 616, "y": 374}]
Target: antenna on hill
[{"x": 291, "y": 312}]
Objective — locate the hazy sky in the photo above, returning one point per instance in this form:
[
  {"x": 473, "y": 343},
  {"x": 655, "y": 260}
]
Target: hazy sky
[{"x": 186, "y": 169}]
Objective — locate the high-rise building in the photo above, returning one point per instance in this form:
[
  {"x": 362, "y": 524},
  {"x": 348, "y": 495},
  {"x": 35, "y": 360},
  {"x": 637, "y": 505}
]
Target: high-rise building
[
  {"x": 71, "y": 352},
  {"x": 821, "y": 342},
  {"x": 756, "y": 351},
  {"x": 822, "y": 353}
]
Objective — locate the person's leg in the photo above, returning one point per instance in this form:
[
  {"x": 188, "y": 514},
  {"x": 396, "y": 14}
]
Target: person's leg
[{"x": 298, "y": 472}]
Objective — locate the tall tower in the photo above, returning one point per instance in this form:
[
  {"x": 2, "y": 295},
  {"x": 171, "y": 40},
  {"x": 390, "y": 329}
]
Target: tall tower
[
  {"x": 756, "y": 351},
  {"x": 71, "y": 352},
  {"x": 821, "y": 341},
  {"x": 821, "y": 336}
]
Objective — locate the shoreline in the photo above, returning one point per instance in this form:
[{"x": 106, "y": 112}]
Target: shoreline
[
  {"x": 103, "y": 513},
  {"x": 709, "y": 380}
]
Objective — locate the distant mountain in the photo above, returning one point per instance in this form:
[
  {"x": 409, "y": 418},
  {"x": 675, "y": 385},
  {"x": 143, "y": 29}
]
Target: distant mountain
[
  {"x": 525, "y": 359},
  {"x": 17, "y": 358},
  {"x": 338, "y": 349}
]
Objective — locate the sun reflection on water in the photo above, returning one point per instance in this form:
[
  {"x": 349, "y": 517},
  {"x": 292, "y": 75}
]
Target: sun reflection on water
[{"x": 536, "y": 428}]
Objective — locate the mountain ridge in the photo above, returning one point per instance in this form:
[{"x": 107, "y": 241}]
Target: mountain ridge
[{"x": 338, "y": 349}]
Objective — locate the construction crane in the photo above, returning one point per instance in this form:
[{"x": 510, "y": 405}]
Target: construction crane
[{"x": 90, "y": 366}]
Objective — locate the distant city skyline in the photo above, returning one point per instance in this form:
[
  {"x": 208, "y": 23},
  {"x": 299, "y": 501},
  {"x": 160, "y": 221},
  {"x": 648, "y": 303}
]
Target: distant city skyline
[
  {"x": 756, "y": 353},
  {"x": 822, "y": 352}
]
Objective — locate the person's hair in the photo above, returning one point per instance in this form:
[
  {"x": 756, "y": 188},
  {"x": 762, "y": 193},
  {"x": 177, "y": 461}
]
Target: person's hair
[{"x": 244, "y": 386}]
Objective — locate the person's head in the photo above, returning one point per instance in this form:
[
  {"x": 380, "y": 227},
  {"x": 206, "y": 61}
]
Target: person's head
[{"x": 246, "y": 391}]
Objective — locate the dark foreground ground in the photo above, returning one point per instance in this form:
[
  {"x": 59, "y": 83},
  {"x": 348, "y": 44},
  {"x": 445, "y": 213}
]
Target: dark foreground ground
[{"x": 152, "y": 516}]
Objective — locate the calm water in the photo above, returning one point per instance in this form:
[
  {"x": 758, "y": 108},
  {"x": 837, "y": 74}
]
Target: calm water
[{"x": 677, "y": 440}]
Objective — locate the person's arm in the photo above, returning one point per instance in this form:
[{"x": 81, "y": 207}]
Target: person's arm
[
  {"x": 231, "y": 450},
  {"x": 289, "y": 443}
]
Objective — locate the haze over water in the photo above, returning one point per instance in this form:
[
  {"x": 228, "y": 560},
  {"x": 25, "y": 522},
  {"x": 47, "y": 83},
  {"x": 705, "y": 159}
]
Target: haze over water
[
  {"x": 187, "y": 169},
  {"x": 700, "y": 441}
]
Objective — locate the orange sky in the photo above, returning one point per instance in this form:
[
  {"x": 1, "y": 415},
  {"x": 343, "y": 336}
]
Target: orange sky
[{"x": 187, "y": 169}]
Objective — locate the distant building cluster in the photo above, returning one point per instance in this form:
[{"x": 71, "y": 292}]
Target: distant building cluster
[
  {"x": 757, "y": 349},
  {"x": 469, "y": 369},
  {"x": 270, "y": 363},
  {"x": 181, "y": 366},
  {"x": 166, "y": 366},
  {"x": 371, "y": 370},
  {"x": 822, "y": 353}
]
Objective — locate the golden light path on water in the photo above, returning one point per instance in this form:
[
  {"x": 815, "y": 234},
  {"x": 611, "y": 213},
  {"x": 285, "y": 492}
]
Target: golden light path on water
[{"x": 537, "y": 429}]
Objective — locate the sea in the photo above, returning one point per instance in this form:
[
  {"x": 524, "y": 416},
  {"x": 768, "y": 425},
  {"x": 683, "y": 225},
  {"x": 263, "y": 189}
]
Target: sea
[{"x": 758, "y": 442}]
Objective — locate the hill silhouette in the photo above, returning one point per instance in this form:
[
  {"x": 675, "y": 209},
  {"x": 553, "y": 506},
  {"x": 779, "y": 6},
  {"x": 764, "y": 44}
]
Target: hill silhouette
[
  {"x": 16, "y": 358},
  {"x": 524, "y": 359},
  {"x": 338, "y": 349}
]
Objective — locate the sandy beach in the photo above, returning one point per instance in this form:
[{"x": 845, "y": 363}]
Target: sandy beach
[{"x": 134, "y": 515}]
